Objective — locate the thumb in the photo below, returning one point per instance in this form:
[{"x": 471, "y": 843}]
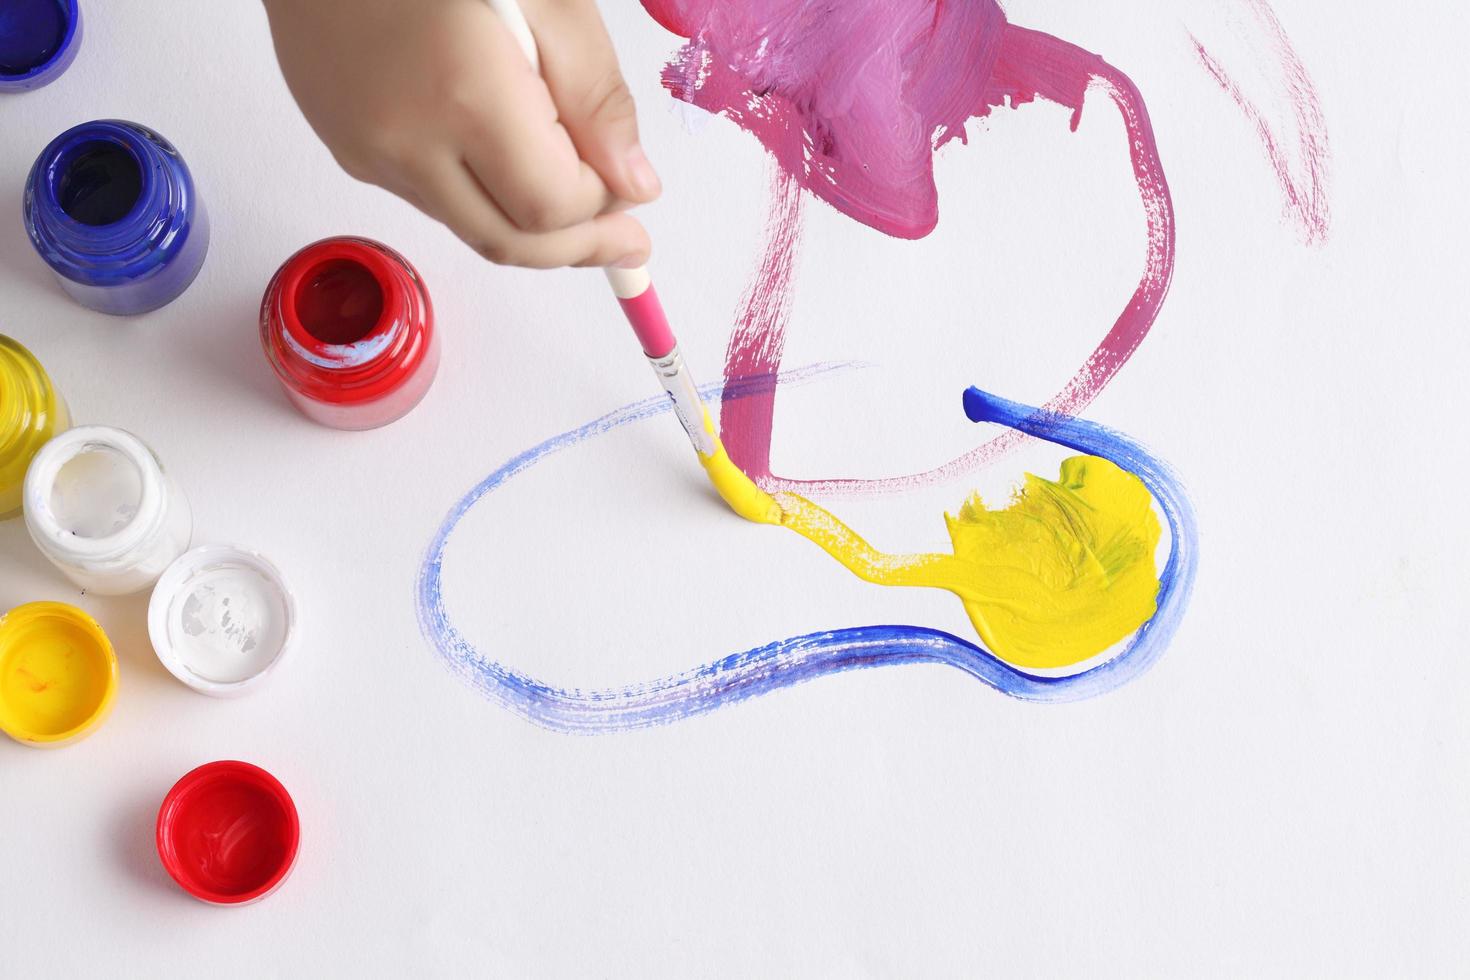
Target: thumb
[{"x": 592, "y": 100}]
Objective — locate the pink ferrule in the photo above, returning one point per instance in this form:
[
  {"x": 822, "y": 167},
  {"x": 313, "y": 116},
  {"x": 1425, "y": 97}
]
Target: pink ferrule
[{"x": 646, "y": 314}]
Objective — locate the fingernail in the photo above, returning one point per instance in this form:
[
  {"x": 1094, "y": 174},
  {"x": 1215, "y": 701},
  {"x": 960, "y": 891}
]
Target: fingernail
[
  {"x": 641, "y": 173},
  {"x": 629, "y": 262}
]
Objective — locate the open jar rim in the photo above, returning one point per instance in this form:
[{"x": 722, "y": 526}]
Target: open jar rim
[{"x": 117, "y": 545}]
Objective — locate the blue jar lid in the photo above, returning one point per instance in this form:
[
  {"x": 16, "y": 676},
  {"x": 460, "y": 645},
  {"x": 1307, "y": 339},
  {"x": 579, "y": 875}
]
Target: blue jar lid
[{"x": 38, "y": 41}]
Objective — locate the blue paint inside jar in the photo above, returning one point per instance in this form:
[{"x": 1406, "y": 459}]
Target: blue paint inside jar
[
  {"x": 99, "y": 184},
  {"x": 111, "y": 207},
  {"x": 38, "y": 41}
]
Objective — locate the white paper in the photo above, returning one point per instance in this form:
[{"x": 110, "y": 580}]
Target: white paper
[{"x": 1285, "y": 793}]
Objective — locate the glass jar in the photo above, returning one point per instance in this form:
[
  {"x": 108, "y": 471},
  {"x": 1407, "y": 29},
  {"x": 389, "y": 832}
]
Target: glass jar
[
  {"x": 31, "y": 412},
  {"x": 38, "y": 41},
  {"x": 111, "y": 208},
  {"x": 347, "y": 326},
  {"x": 100, "y": 506}
]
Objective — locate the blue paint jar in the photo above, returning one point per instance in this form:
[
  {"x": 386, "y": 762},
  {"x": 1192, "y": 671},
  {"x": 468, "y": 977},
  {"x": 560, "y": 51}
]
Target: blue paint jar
[
  {"x": 112, "y": 209},
  {"x": 38, "y": 41}
]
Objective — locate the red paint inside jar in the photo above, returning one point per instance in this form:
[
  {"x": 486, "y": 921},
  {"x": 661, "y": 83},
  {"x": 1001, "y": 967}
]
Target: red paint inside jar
[
  {"x": 339, "y": 302},
  {"x": 348, "y": 327},
  {"x": 228, "y": 832}
]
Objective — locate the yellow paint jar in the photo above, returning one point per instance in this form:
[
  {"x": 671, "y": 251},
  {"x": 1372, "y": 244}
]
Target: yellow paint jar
[
  {"x": 31, "y": 412},
  {"x": 58, "y": 674}
]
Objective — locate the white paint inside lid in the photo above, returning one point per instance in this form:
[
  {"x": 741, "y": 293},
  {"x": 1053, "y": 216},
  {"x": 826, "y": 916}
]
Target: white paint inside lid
[{"x": 219, "y": 618}]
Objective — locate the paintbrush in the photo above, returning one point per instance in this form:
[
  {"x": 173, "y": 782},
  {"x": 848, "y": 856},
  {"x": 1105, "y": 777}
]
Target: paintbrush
[{"x": 635, "y": 293}]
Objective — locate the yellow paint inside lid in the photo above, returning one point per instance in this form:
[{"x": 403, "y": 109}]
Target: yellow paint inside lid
[
  {"x": 31, "y": 412},
  {"x": 58, "y": 674}
]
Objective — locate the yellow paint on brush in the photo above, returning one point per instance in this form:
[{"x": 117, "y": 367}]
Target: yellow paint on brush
[
  {"x": 737, "y": 489},
  {"x": 58, "y": 674},
  {"x": 1058, "y": 576},
  {"x": 31, "y": 412}
]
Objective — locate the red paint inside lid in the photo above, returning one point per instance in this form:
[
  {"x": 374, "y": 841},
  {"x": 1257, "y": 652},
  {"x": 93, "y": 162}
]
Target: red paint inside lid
[{"x": 228, "y": 832}]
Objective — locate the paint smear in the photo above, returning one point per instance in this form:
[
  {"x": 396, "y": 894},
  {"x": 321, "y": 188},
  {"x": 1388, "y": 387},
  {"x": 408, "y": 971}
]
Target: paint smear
[
  {"x": 852, "y": 100},
  {"x": 1055, "y": 578},
  {"x": 782, "y": 663},
  {"x": 1058, "y": 576},
  {"x": 1303, "y": 185},
  {"x": 230, "y": 626},
  {"x": 734, "y": 487}
]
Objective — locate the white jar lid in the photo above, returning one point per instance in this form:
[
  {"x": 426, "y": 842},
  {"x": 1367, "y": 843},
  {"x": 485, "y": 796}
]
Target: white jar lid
[{"x": 220, "y": 619}]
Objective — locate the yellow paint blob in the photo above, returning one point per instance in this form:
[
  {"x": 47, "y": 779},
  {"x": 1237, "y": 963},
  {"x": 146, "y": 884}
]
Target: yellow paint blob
[
  {"x": 58, "y": 674},
  {"x": 1058, "y": 576},
  {"x": 31, "y": 412},
  {"x": 737, "y": 489}
]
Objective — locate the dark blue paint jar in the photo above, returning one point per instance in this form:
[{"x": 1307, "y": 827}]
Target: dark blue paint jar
[
  {"x": 111, "y": 207},
  {"x": 38, "y": 41}
]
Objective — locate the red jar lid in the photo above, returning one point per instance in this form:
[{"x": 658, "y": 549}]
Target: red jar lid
[{"x": 228, "y": 833}]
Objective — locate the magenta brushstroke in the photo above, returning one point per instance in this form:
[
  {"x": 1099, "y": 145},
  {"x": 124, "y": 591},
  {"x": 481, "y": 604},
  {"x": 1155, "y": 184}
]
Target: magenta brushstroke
[
  {"x": 1305, "y": 196},
  {"x": 759, "y": 337},
  {"x": 852, "y": 100}
]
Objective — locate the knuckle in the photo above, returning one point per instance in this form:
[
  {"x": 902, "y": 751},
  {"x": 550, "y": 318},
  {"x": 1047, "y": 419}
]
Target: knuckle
[
  {"x": 386, "y": 156},
  {"x": 393, "y": 140},
  {"x": 608, "y": 98},
  {"x": 542, "y": 211},
  {"x": 373, "y": 157},
  {"x": 497, "y": 251},
  {"x": 462, "y": 97},
  {"x": 514, "y": 253},
  {"x": 354, "y": 162}
]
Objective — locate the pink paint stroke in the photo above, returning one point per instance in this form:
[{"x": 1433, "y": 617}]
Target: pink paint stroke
[
  {"x": 1305, "y": 196},
  {"x": 759, "y": 337},
  {"x": 851, "y": 101}
]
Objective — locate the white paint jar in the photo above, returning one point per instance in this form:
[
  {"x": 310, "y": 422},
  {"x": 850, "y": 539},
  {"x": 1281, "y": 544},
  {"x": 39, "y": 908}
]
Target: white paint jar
[{"x": 100, "y": 506}]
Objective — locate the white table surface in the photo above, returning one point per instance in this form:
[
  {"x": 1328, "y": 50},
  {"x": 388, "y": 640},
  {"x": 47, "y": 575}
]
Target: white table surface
[{"x": 1285, "y": 793}]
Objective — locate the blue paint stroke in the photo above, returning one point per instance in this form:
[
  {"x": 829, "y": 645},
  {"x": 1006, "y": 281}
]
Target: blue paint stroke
[{"x": 782, "y": 663}]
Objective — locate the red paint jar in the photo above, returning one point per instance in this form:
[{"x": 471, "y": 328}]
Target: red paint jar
[
  {"x": 348, "y": 327},
  {"x": 228, "y": 833}
]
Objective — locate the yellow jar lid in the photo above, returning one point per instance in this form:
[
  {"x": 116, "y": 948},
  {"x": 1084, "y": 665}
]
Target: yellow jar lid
[{"x": 58, "y": 674}]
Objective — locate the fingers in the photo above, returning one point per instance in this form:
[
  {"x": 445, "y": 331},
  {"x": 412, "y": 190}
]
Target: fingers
[
  {"x": 517, "y": 149},
  {"x": 448, "y": 190},
  {"x": 591, "y": 98},
  {"x": 528, "y": 171}
]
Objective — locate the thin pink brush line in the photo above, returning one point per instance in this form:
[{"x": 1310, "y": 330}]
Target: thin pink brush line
[
  {"x": 1306, "y": 201},
  {"x": 759, "y": 337}
]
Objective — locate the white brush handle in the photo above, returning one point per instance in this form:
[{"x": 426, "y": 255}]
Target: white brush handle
[
  {"x": 645, "y": 314},
  {"x": 515, "y": 20},
  {"x": 636, "y": 295}
]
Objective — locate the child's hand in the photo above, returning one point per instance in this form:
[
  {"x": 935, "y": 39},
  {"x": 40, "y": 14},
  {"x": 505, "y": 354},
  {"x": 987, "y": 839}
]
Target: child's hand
[{"x": 433, "y": 100}]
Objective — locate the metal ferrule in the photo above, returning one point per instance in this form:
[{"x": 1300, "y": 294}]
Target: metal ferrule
[{"x": 676, "y": 379}]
